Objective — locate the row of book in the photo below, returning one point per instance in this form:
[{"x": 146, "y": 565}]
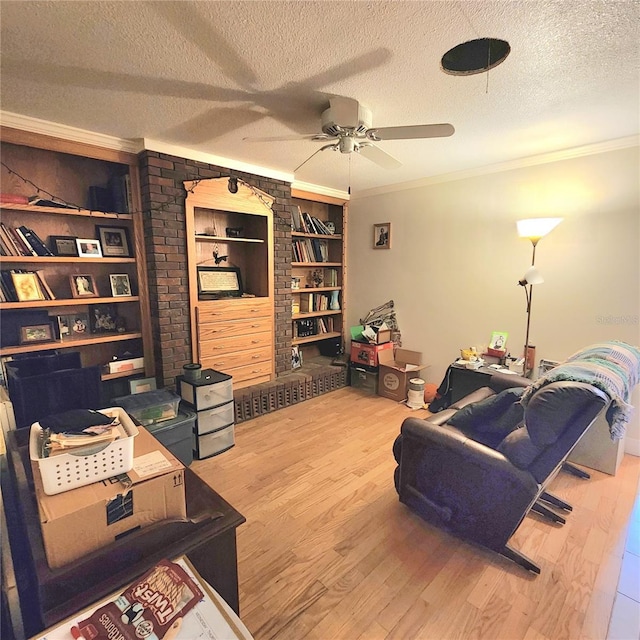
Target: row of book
[
  {"x": 312, "y": 327},
  {"x": 313, "y": 302},
  {"x": 306, "y": 223},
  {"x": 310, "y": 250},
  {"x": 19, "y": 285},
  {"x": 21, "y": 241}
]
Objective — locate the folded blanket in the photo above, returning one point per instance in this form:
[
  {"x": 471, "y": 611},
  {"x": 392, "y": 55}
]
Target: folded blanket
[{"x": 613, "y": 367}]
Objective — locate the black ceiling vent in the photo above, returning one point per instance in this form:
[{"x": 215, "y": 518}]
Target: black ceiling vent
[{"x": 475, "y": 56}]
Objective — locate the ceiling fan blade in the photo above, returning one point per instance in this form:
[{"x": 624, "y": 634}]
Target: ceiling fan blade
[
  {"x": 380, "y": 157},
  {"x": 345, "y": 111},
  {"x": 311, "y": 136},
  {"x": 411, "y": 132}
]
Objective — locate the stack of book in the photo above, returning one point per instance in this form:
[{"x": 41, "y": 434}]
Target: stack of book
[
  {"x": 306, "y": 223},
  {"x": 21, "y": 241}
]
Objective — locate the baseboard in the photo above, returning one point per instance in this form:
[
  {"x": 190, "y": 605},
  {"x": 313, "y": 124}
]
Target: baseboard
[{"x": 632, "y": 446}]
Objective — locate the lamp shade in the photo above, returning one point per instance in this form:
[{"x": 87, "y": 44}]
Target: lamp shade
[
  {"x": 536, "y": 228},
  {"x": 531, "y": 276}
]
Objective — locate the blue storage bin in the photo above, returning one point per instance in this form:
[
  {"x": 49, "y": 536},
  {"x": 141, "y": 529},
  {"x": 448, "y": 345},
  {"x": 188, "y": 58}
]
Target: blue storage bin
[{"x": 177, "y": 435}]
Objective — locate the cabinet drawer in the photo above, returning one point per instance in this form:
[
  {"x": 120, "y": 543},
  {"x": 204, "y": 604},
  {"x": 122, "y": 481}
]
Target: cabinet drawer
[
  {"x": 212, "y": 348},
  {"x": 225, "y": 362},
  {"x": 216, "y": 310},
  {"x": 237, "y": 328},
  {"x": 213, "y": 419},
  {"x": 214, "y": 443},
  {"x": 258, "y": 371}
]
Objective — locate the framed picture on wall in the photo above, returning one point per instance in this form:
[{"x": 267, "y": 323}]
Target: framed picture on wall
[{"x": 382, "y": 235}]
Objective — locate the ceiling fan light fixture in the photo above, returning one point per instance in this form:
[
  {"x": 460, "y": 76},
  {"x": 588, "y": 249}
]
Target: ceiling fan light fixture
[{"x": 475, "y": 56}]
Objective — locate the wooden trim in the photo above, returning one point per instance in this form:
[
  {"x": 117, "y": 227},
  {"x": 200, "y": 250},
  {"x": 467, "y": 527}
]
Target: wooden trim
[
  {"x": 50, "y": 143},
  {"x": 317, "y": 197}
]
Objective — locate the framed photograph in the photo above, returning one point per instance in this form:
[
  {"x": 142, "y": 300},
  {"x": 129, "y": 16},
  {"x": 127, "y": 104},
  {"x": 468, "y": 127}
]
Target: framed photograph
[
  {"x": 219, "y": 282},
  {"x": 296, "y": 357},
  {"x": 120, "y": 285},
  {"x": 88, "y": 248},
  {"x": 78, "y": 324},
  {"x": 36, "y": 333},
  {"x": 102, "y": 318},
  {"x": 63, "y": 245},
  {"x": 382, "y": 235},
  {"x": 114, "y": 241},
  {"x": 83, "y": 285},
  {"x": 498, "y": 340},
  {"x": 27, "y": 286},
  {"x": 64, "y": 330},
  {"x": 141, "y": 385}
]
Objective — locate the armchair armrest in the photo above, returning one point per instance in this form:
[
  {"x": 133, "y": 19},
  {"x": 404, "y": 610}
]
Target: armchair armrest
[{"x": 462, "y": 484}]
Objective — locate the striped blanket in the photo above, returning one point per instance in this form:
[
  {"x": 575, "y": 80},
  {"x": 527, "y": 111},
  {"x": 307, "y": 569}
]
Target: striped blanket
[{"x": 613, "y": 367}]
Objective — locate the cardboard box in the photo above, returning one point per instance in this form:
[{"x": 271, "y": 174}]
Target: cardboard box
[
  {"x": 88, "y": 518},
  {"x": 396, "y": 370},
  {"x": 366, "y": 333},
  {"x": 369, "y": 354},
  {"x": 119, "y": 366}
]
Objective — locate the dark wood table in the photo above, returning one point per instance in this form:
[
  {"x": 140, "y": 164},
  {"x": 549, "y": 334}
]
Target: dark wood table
[{"x": 47, "y": 596}]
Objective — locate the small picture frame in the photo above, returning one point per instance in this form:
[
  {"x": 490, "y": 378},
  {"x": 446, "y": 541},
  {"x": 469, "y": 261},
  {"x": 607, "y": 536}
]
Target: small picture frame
[
  {"x": 31, "y": 334},
  {"x": 102, "y": 318},
  {"x": 27, "y": 286},
  {"x": 115, "y": 241},
  {"x": 83, "y": 285},
  {"x": 63, "y": 245},
  {"x": 498, "y": 340},
  {"x": 296, "y": 357},
  {"x": 88, "y": 248},
  {"x": 78, "y": 324},
  {"x": 64, "y": 330},
  {"x": 142, "y": 385},
  {"x": 382, "y": 235},
  {"x": 120, "y": 285}
]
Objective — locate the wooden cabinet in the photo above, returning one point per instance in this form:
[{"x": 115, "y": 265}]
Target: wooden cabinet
[
  {"x": 66, "y": 170},
  {"x": 318, "y": 269},
  {"x": 227, "y": 231}
]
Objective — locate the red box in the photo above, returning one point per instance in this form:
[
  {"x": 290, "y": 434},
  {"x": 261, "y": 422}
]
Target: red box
[{"x": 367, "y": 354}]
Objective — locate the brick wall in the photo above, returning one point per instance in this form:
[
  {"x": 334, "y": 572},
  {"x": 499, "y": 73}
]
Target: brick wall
[{"x": 163, "y": 197}]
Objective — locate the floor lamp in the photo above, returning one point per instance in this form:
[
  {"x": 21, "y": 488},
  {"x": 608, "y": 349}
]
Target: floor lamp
[{"x": 534, "y": 229}]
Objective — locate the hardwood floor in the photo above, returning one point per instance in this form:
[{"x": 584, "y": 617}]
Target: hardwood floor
[{"x": 329, "y": 553}]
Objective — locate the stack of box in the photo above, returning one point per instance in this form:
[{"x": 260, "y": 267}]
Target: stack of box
[
  {"x": 365, "y": 357},
  {"x": 83, "y": 507},
  {"x": 211, "y": 396}
]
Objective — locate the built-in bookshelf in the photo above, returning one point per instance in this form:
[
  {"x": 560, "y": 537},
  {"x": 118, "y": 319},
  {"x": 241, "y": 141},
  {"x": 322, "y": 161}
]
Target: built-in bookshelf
[
  {"x": 318, "y": 269},
  {"x": 79, "y": 281}
]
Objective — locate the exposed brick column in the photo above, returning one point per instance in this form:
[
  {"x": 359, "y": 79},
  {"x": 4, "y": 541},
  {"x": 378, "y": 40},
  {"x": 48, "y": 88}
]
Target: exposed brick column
[{"x": 162, "y": 177}]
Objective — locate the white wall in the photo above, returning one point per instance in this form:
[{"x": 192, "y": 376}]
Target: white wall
[{"x": 456, "y": 258}]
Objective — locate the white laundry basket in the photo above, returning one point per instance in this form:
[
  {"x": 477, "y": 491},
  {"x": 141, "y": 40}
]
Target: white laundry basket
[{"x": 67, "y": 471}]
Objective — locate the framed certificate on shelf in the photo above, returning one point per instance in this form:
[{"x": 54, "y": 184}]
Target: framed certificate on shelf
[{"x": 219, "y": 282}]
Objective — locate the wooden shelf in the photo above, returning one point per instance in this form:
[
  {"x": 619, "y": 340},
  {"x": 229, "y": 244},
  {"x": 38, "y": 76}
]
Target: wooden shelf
[
  {"x": 316, "y": 289},
  {"x": 121, "y": 374},
  {"x": 316, "y": 264},
  {"x": 31, "y": 208},
  {"x": 315, "y": 314},
  {"x": 67, "y": 302},
  {"x": 319, "y": 236},
  {"x": 62, "y": 260},
  {"x": 316, "y": 338},
  {"x": 70, "y": 343},
  {"x": 202, "y": 238}
]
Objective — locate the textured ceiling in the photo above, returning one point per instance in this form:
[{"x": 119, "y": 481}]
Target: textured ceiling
[{"x": 206, "y": 75}]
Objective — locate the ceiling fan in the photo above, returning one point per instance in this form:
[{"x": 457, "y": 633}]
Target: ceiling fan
[{"x": 348, "y": 125}]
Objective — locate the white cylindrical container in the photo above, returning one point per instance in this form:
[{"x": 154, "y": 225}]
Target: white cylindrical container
[{"x": 415, "y": 396}]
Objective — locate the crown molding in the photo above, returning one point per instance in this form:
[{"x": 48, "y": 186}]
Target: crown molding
[
  {"x": 316, "y": 188},
  {"x": 55, "y": 130},
  {"x": 200, "y": 156},
  {"x": 520, "y": 163}
]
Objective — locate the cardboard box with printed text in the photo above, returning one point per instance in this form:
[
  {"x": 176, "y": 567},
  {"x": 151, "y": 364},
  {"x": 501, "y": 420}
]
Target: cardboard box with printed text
[
  {"x": 82, "y": 520},
  {"x": 396, "y": 370}
]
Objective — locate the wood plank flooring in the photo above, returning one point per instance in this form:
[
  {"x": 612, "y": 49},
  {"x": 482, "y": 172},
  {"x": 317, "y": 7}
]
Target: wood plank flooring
[{"x": 329, "y": 553}]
